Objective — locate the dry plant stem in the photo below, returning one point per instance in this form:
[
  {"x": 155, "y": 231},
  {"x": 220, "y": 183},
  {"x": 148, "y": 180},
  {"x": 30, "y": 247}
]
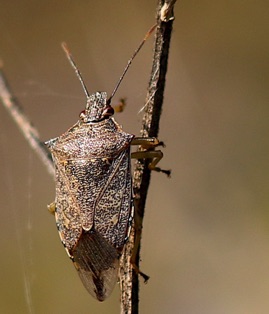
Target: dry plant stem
[
  {"x": 141, "y": 178},
  {"x": 25, "y": 126}
]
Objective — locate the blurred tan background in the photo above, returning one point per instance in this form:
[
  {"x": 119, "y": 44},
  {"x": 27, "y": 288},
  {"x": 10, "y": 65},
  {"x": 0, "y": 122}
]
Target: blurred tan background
[{"x": 206, "y": 233}]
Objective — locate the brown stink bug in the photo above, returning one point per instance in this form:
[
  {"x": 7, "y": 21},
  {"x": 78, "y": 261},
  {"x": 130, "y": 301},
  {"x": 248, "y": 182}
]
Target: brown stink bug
[{"x": 93, "y": 205}]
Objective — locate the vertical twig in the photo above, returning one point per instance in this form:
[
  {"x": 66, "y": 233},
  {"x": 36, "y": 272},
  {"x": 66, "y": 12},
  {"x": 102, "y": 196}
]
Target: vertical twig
[{"x": 150, "y": 127}]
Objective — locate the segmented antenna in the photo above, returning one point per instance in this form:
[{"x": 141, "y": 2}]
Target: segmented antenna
[
  {"x": 70, "y": 58},
  {"x": 130, "y": 61}
]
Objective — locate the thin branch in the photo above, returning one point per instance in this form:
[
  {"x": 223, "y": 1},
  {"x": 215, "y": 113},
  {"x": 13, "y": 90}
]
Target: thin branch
[
  {"x": 25, "y": 126},
  {"x": 150, "y": 128}
]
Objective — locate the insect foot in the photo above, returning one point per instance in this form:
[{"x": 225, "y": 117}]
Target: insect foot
[
  {"x": 51, "y": 208},
  {"x": 149, "y": 152}
]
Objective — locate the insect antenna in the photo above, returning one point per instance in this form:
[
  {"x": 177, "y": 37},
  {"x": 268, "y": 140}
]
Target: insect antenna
[
  {"x": 71, "y": 60},
  {"x": 130, "y": 61}
]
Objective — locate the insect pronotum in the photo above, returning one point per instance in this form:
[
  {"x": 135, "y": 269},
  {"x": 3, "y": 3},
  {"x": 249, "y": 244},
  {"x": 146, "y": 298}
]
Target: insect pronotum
[{"x": 93, "y": 205}]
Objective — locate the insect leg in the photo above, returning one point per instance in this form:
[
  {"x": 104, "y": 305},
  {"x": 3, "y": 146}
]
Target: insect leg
[
  {"x": 149, "y": 143},
  {"x": 149, "y": 152},
  {"x": 119, "y": 107},
  {"x": 137, "y": 240},
  {"x": 51, "y": 208}
]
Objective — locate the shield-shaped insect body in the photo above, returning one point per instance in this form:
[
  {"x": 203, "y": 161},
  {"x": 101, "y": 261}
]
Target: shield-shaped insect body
[{"x": 93, "y": 202}]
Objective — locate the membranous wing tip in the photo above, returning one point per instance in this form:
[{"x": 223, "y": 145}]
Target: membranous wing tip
[{"x": 97, "y": 263}]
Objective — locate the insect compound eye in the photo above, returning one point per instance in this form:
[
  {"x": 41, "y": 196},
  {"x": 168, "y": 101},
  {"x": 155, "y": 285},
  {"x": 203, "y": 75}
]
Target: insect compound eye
[
  {"x": 108, "y": 111},
  {"x": 82, "y": 115}
]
